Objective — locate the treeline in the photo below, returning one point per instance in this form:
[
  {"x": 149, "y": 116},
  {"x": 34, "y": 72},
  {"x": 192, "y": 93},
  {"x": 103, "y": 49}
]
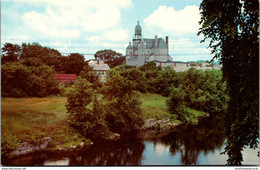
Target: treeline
[{"x": 29, "y": 70}]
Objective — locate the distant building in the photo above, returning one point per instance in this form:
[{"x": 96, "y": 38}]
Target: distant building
[
  {"x": 143, "y": 50},
  {"x": 100, "y": 67},
  {"x": 63, "y": 78}
]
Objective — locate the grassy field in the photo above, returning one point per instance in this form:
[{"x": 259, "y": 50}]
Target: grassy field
[
  {"x": 154, "y": 106},
  {"x": 32, "y": 118},
  {"x": 28, "y": 118}
]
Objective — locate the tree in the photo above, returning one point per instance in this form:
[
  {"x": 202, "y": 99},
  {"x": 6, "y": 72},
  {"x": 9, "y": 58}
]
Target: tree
[
  {"x": 36, "y": 55},
  {"x": 74, "y": 63},
  {"x": 124, "y": 114},
  {"x": 151, "y": 73},
  {"x": 164, "y": 81},
  {"x": 177, "y": 105},
  {"x": 90, "y": 75},
  {"x": 14, "y": 80},
  {"x": 110, "y": 57},
  {"x": 11, "y": 53},
  {"x": 42, "y": 82},
  {"x": 134, "y": 75},
  {"x": 232, "y": 27},
  {"x": 19, "y": 80},
  {"x": 86, "y": 112}
]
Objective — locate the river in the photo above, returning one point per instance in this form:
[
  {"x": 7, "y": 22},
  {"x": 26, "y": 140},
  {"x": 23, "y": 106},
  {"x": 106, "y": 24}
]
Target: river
[{"x": 187, "y": 144}]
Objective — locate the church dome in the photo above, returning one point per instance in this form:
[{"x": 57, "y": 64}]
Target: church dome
[
  {"x": 138, "y": 29},
  {"x": 129, "y": 47}
]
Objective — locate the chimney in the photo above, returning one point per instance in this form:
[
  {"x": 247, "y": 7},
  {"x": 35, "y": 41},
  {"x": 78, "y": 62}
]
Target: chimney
[
  {"x": 98, "y": 62},
  {"x": 156, "y": 41},
  {"x": 166, "y": 40}
]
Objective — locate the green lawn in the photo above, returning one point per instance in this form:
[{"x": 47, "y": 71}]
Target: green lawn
[
  {"x": 154, "y": 106},
  {"x": 28, "y": 118}
]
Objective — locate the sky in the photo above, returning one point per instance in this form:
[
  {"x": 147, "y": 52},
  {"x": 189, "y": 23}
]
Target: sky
[{"x": 87, "y": 26}]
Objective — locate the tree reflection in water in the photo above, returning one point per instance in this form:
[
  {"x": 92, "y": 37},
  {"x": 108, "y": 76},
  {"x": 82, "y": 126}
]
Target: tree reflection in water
[
  {"x": 190, "y": 140},
  {"x": 118, "y": 153},
  {"x": 122, "y": 152}
]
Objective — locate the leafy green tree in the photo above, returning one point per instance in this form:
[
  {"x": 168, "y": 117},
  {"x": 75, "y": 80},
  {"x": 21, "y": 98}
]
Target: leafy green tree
[
  {"x": 233, "y": 29},
  {"x": 151, "y": 73},
  {"x": 14, "y": 80},
  {"x": 74, "y": 63},
  {"x": 36, "y": 55},
  {"x": 90, "y": 75},
  {"x": 42, "y": 82},
  {"x": 123, "y": 107},
  {"x": 134, "y": 75},
  {"x": 110, "y": 57},
  {"x": 10, "y": 53},
  {"x": 164, "y": 81},
  {"x": 176, "y": 104},
  {"x": 19, "y": 80},
  {"x": 86, "y": 111}
]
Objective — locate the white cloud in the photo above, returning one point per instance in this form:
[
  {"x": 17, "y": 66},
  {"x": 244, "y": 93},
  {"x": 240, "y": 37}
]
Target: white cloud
[
  {"x": 179, "y": 22},
  {"x": 116, "y": 34},
  {"x": 45, "y": 24},
  {"x": 70, "y": 19},
  {"x": 102, "y": 19}
]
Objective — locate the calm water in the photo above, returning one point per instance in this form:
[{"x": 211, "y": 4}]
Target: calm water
[{"x": 188, "y": 144}]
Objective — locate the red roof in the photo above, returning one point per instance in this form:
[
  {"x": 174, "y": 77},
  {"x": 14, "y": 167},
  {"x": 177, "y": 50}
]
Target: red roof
[{"x": 66, "y": 77}]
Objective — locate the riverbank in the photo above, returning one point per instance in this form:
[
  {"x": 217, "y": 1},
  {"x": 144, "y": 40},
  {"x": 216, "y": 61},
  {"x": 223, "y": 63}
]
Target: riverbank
[{"x": 27, "y": 121}]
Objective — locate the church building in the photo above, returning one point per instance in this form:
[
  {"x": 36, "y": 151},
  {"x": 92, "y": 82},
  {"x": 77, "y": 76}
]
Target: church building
[{"x": 143, "y": 50}]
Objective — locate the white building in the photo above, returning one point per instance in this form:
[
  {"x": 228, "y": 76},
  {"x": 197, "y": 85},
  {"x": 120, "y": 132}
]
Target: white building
[
  {"x": 100, "y": 67},
  {"x": 143, "y": 50}
]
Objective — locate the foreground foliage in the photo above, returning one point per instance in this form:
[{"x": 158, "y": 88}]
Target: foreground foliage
[{"x": 233, "y": 29}]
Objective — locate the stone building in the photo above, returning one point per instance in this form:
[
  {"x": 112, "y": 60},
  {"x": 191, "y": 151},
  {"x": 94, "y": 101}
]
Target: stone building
[{"x": 143, "y": 50}]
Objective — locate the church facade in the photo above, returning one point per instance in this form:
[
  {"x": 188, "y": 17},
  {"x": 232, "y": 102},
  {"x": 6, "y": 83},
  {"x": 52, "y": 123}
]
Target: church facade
[{"x": 143, "y": 50}]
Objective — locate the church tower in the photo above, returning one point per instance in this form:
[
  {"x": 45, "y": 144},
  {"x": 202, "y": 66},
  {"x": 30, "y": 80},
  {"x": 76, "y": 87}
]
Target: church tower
[
  {"x": 138, "y": 35},
  {"x": 138, "y": 31}
]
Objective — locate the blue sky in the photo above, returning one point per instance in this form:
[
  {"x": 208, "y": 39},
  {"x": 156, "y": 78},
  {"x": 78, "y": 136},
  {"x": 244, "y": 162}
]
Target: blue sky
[{"x": 87, "y": 26}]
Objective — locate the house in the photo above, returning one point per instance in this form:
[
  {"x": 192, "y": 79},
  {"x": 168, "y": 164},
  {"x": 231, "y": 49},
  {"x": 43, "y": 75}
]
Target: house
[
  {"x": 100, "y": 67},
  {"x": 62, "y": 78}
]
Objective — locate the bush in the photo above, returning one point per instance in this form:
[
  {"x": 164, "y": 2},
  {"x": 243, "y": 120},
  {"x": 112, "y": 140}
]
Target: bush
[{"x": 9, "y": 143}]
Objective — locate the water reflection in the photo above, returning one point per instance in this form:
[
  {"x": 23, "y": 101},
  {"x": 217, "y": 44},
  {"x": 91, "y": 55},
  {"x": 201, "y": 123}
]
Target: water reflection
[
  {"x": 118, "y": 153},
  {"x": 64, "y": 161},
  {"x": 188, "y": 144},
  {"x": 190, "y": 140}
]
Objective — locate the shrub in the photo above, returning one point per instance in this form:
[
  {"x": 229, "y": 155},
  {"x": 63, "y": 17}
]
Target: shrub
[{"x": 9, "y": 143}]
